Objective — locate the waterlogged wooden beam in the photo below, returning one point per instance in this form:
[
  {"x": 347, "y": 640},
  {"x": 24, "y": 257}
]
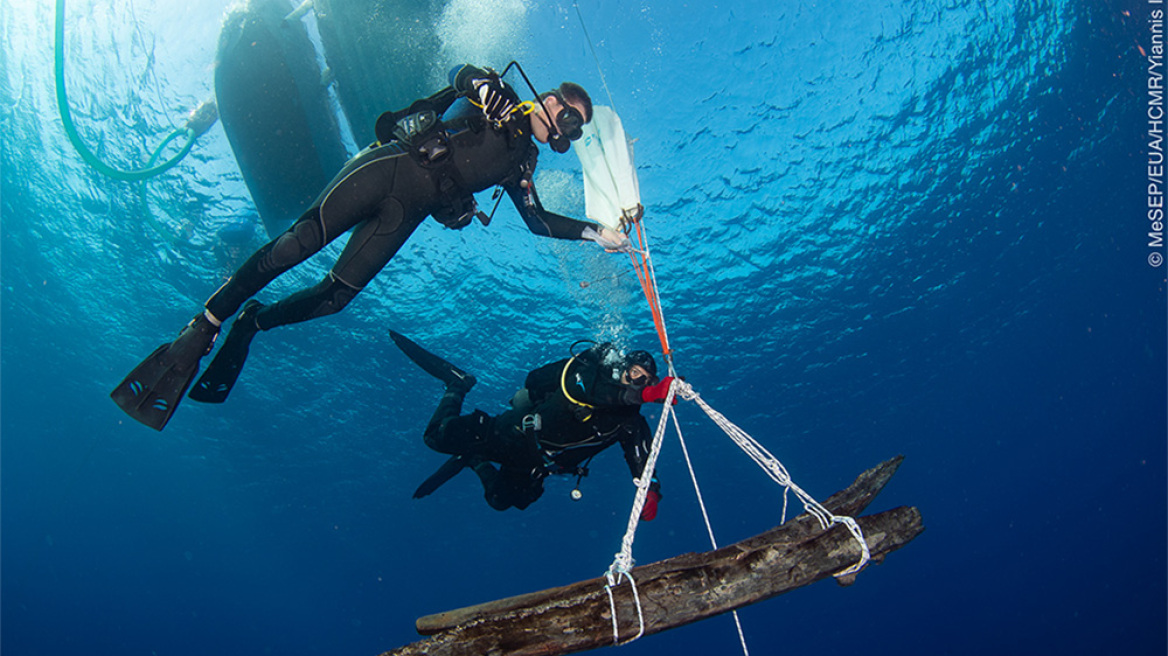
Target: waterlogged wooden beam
[
  {"x": 673, "y": 592},
  {"x": 850, "y": 501}
]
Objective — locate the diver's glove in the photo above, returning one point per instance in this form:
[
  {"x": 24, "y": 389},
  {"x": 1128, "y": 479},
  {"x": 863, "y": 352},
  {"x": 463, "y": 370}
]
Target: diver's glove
[
  {"x": 609, "y": 239},
  {"x": 649, "y": 510},
  {"x": 657, "y": 393},
  {"x": 457, "y": 215},
  {"x": 496, "y": 106},
  {"x": 455, "y": 222},
  {"x": 485, "y": 90}
]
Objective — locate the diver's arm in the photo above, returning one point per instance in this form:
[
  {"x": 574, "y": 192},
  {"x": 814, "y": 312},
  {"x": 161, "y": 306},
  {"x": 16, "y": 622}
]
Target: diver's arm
[
  {"x": 549, "y": 224},
  {"x": 463, "y": 78},
  {"x": 438, "y": 103},
  {"x": 636, "y": 445},
  {"x": 487, "y": 91},
  {"x": 636, "y": 448},
  {"x": 543, "y": 222},
  {"x": 442, "y": 100}
]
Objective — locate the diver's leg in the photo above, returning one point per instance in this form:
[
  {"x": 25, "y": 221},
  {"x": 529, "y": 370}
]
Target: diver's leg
[
  {"x": 373, "y": 243},
  {"x": 481, "y": 440},
  {"x": 450, "y": 433},
  {"x": 152, "y": 391},
  {"x": 449, "y": 408},
  {"x": 499, "y": 439},
  {"x": 508, "y": 487},
  {"x": 371, "y": 246},
  {"x": 519, "y": 480},
  {"x": 462, "y": 437},
  {"x": 299, "y": 242},
  {"x": 327, "y": 297},
  {"x": 368, "y": 250},
  {"x": 356, "y": 194},
  {"x": 489, "y": 477}
]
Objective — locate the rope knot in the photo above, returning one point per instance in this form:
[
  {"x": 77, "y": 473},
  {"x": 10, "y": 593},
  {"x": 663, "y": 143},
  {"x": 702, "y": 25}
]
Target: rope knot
[
  {"x": 622, "y": 565},
  {"x": 684, "y": 389}
]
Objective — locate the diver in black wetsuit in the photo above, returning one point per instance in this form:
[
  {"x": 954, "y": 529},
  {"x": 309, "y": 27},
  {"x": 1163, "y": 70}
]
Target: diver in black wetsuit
[
  {"x": 428, "y": 161},
  {"x": 567, "y": 412}
]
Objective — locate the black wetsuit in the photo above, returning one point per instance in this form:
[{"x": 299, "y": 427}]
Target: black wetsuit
[
  {"x": 601, "y": 412},
  {"x": 384, "y": 193}
]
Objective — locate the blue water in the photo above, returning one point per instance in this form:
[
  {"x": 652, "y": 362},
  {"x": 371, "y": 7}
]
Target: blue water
[{"x": 880, "y": 228}]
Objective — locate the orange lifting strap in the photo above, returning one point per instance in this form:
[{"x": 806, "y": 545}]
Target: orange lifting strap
[{"x": 643, "y": 263}]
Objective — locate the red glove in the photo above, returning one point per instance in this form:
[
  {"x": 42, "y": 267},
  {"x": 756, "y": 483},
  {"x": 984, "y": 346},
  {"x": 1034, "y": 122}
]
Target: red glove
[
  {"x": 657, "y": 393},
  {"x": 649, "y": 511}
]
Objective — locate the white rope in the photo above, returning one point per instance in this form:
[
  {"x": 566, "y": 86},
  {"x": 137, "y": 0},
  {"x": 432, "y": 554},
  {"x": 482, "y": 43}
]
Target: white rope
[
  {"x": 612, "y": 611},
  {"x": 600, "y": 70},
  {"x": 706, "y": 517},
  {"x": 778, "y": 473},
  {"x": 624, "y": 559},
  {"x": 613, "y": 579},
  {"x": 622, "y": 564}
]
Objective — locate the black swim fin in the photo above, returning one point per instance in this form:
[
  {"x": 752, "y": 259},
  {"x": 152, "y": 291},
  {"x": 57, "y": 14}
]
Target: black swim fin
[
  {"x": 152, "y": 391},
  {"x": 447, "y": 471},
  {"x": 432, "y": 364},
  {"x": 220, "y": 377}
]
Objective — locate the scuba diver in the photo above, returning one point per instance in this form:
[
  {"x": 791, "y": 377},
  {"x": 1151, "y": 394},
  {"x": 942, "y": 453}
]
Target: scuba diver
[
  {"x": 234, "y": 243},
  {"x": 428, "y": 160},
  {"x": 567, "y": 412}
]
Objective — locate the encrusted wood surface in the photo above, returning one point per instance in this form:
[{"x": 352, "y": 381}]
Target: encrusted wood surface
[{"x": 677, "y": 591}]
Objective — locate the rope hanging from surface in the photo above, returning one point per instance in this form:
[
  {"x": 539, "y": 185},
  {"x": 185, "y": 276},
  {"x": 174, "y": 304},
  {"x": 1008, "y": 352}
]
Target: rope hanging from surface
[
  {"x": 622, "y": 564},
  {"x": 642, "y": 260},
  {"x": 706, "y": 518}
]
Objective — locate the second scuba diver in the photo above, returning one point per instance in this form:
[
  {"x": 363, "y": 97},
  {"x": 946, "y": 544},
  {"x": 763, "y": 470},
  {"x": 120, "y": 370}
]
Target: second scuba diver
[
  {"x": 567, "y": 412},
  {"x": 428, "y": 160}
]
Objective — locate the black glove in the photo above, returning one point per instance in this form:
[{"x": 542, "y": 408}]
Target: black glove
[
  {"x": 485, "y": 89},
  {"x": 496, "y": 106},
  {"x": 457, "y": 214},
  {"x": 455, "y": 222}
]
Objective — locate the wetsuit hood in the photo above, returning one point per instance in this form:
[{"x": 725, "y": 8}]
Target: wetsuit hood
[{"x": 645, "y": 360}]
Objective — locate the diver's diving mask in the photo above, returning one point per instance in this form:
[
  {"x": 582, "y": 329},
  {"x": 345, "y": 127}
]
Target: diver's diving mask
[
  {"x": 569, "y": 126},
  {"x": 638, "y": 379}
]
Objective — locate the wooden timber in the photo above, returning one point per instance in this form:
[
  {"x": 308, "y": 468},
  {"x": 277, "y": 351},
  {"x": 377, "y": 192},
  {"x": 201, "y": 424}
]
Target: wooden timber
[{"x": 676, "y": 591}]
